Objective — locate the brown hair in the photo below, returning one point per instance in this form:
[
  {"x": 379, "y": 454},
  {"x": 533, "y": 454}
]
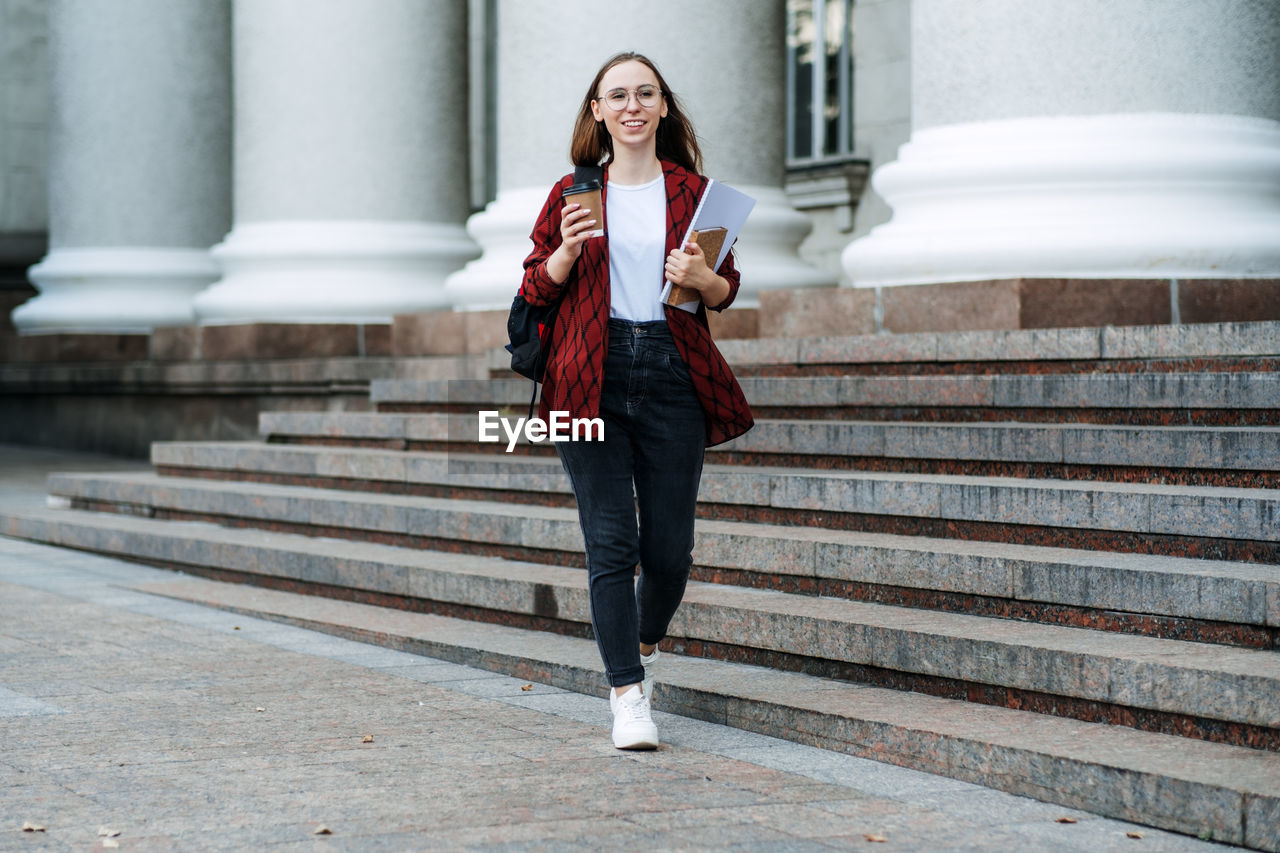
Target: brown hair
[{"x": 676, "y": 140}]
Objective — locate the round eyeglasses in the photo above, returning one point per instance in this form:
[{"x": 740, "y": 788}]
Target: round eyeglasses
[{"x": 617, "y": 99}]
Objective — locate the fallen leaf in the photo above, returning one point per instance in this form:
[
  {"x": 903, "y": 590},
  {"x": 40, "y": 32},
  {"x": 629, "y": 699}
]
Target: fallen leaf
[
  {"x": 367, "y": 739},
  {"x": 527, "y": 687},
  {"x": 1134, "y": 834},
  {"x": 32, "y": 827},
  {"x": 110, "y": 843},
  {"x": 323, "y": 830},
  {"x": 875, "y": 838},
  {"x": 1067, "y": 820},
  {"x": 104, "y": 832}
]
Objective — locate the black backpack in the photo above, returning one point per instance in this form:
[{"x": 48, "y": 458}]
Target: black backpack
[{"x": 529, "y": 326}]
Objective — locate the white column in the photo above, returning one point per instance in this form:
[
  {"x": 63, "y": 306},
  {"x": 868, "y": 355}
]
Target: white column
[
  {"x": 350, "y": 161},
  {"x": 727, "y": 67},
  {"x": 139, "y": 163},
  {"x": 1089, "y": 139},
  {"x": 24, "y": 184}
]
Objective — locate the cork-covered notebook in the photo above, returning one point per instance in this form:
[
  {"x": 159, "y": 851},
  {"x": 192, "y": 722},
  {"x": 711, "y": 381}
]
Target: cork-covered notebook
[{"x": 709, "y": 241}]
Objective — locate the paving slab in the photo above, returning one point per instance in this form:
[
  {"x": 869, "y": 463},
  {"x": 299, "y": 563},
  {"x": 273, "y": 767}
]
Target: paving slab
[{"x": 269, "y": 744}]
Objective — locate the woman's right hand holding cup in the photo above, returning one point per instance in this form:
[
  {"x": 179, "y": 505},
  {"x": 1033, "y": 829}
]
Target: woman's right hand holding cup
[{"x": 577, "y": 225}]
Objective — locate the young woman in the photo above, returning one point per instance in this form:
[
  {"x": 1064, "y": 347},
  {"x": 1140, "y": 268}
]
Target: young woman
[{"x": 650, "y": 372}]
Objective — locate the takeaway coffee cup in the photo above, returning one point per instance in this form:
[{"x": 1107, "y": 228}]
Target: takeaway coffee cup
[{"x": 587, "y": 194}]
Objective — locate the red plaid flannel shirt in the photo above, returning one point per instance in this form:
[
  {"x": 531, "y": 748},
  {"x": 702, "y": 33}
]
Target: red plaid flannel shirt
[{"x": 580, "y": 335}]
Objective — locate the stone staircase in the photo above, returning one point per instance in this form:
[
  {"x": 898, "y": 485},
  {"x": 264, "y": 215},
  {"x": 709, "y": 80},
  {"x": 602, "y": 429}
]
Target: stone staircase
[{"x": 1045, "y": 561}]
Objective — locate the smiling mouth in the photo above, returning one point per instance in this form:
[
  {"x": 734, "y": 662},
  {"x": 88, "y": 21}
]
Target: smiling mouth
[{"x": 633, "y": 124}]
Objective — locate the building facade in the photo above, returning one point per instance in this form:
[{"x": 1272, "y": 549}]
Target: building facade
[{"x": 203, "y": 162}]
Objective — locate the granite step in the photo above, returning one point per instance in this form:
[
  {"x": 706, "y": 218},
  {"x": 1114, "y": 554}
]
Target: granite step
[
  {"x": 1105, "y": 343},
  {"x": 1249, "y": 453},
  {"x": 1182, "y": 347},
  {"x": 1253, "y": 450},
  {"x": 1220, "y": 456},
  {"x": 1198, "y": 521},
  {"x": 1214, "y": 601},
  {"x": 242, "y": 376},
  {"x": 1194, "y": 690},
  {"x": 1229, "y": 793},
  {"x": 1172, "y": 399},
  {"x": 1153, "y": 348}
]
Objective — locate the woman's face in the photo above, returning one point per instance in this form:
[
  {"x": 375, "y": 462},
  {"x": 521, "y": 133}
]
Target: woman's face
[{"x": 634, "y": 125}]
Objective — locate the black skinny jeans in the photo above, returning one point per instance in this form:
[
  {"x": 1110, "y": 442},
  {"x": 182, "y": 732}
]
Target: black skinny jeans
[{"x": 636, "y": 491}]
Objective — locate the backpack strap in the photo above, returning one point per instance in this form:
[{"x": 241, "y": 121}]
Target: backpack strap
[
  {"x": 588, "y": 173},
  {"x": 533, "y": 399}
]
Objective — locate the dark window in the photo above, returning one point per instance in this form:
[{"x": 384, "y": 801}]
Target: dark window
[{"x": 819, "y": 80}]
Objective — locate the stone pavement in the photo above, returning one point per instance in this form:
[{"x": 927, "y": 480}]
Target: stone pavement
[{"x": 183, "y": 727}]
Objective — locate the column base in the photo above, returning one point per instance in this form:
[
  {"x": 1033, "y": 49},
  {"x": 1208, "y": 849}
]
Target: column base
[
  {"x": 1106, "y": 196},
  {"x": 490, "y": 282},
  {"x": 124, "y": 290},
  {"x": 768, "y": 245},
  {"x": 332, "y": 271}
]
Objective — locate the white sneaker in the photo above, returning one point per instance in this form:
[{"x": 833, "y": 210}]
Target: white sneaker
[
  {"x": 650, "y": 664},
  {"x": 633, "y": 726}
]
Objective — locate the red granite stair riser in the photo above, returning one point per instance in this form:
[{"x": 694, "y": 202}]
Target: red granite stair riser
[
  {"x": 1207, "y": 548},
  {"x": 386, "y": 487},
  {"x": 959, "y": 414},
  {"x": 1048, "y": 471},
  {"x": 1260, "y": 364}
]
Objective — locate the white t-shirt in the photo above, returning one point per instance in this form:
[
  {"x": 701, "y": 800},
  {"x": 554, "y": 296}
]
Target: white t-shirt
[{"x": 637, "y": 217}]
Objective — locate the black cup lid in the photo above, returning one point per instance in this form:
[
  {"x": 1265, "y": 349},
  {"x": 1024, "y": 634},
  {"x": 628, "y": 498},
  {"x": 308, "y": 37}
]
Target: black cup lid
[{"x": 583, "y": 187}]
